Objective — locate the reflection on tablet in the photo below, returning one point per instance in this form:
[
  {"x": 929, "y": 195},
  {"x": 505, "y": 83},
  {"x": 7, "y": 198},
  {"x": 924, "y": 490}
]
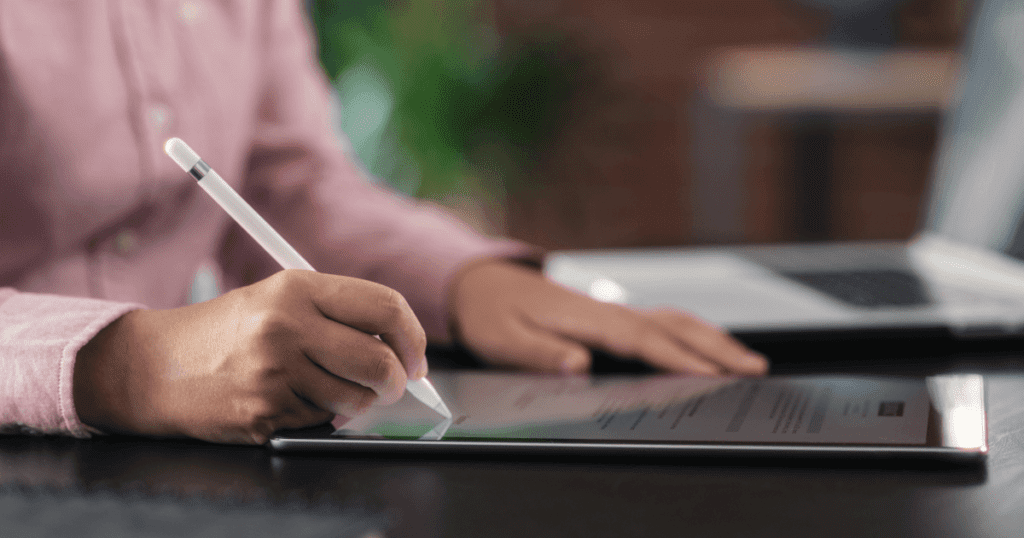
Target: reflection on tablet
[
  {"x": 834, "y": 410},
  {"x": 437, "y": 432}
]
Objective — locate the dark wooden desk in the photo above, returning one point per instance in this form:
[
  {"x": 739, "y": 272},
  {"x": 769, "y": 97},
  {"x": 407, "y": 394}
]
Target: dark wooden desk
[{"x": 515, "y": 497}]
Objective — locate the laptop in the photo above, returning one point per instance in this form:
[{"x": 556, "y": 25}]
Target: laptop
[{"x": 962, "y": 271}]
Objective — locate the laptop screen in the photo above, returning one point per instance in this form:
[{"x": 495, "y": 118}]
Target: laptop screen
[{"x": 978, "y": 185}]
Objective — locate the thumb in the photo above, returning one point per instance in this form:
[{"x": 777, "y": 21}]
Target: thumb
[{"x": 539, "y": 349}]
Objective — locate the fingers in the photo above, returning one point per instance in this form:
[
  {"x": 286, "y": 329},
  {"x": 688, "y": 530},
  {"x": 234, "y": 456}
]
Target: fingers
[
  {"x": 294, "y": 411},
  {"x": 496, "y": 301},
  {"x": 329, "y": 392},
  {"x": 634, "y": 337},
  {"x": 523, "y": 345},
  {"x": 710, "y": 341},
  {"x": 353, "y": 356},
  {"x": 666, "y": 339},
  {"x": 625, "y": 332},
  {"x": 376, "y": 310}
]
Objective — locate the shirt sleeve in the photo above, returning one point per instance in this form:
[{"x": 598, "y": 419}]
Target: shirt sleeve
[
  {"x": 300, "y": 179},
  {"x": 40, "y": 336}
]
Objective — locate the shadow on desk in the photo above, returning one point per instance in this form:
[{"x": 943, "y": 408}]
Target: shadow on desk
[{"x": 485, "y": 496}]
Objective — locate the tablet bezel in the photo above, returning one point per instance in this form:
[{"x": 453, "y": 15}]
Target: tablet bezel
[{"x": 962, "y": 438}]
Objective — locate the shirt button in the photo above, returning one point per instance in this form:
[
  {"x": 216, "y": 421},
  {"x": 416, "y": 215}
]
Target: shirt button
[
  {"x": 190, "y": 11},
  {"x": 126, "y": 241},
  {"x": 159, "y": 117}
]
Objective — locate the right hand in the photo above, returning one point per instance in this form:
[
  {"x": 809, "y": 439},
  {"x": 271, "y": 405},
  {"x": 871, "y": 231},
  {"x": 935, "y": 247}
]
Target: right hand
[{"x": 290, "y": 351}]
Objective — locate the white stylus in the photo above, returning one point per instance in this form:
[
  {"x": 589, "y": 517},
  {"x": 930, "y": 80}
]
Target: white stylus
[{"x": 270, "y": 240}]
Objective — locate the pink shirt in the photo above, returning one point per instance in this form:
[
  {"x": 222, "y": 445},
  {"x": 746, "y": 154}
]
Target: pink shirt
[{"x": 96, "y": 220}]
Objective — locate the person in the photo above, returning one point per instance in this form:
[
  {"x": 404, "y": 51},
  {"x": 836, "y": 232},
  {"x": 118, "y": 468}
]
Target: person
[{"x": 102, "y": 236}]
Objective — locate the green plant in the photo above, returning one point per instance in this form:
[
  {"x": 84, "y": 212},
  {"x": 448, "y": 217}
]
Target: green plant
[{"x": 431, "y": 96}]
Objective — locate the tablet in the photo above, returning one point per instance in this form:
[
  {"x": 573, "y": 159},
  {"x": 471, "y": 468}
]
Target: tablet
[{"x": 632, "y": 415}]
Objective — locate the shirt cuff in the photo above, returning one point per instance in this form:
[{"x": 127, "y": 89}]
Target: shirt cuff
[{"x": 40, "y": 336}]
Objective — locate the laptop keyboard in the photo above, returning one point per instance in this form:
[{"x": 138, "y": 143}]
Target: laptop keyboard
[{"x": 867, "y": 288}]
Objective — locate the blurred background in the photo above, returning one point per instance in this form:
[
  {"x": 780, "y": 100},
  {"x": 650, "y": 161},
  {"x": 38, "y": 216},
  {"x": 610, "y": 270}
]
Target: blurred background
[{"x": 602, "y": 123}]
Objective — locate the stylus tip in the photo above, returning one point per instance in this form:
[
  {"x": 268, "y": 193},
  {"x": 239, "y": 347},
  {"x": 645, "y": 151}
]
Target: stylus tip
[{"x": 443, "y": 410}]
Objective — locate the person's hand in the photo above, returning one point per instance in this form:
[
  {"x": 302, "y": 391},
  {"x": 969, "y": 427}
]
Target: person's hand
[
  {"x": 511, "y": 315},
  {"x": 287, "y": 352}
]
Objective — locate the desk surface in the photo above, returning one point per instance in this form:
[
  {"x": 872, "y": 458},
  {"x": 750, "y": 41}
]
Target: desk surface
[{"x": 492, "y": 497}]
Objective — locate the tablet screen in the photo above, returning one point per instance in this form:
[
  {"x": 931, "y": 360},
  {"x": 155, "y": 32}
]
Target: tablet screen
[{"x": 662, "y": 409}]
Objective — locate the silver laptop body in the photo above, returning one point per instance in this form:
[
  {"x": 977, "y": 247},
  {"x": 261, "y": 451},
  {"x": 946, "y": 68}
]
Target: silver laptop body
[{"x": 960, "y": 272}]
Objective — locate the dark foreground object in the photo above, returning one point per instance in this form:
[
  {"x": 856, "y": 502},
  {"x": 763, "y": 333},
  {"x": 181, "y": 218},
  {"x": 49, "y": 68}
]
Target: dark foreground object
[{"x": 495, "y": 497}]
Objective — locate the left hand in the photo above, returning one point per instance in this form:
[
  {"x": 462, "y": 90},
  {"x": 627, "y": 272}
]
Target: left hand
[{"x": 511, "y": 315}]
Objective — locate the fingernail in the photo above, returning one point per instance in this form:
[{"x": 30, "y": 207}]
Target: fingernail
[
  {"x": 422, "y": 371},
  {"x": 755, "y": 360},
  {"x": 572, "y": 363}
]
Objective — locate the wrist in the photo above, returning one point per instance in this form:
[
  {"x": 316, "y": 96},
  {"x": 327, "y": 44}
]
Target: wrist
[{"x": 100, "y": 378}]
